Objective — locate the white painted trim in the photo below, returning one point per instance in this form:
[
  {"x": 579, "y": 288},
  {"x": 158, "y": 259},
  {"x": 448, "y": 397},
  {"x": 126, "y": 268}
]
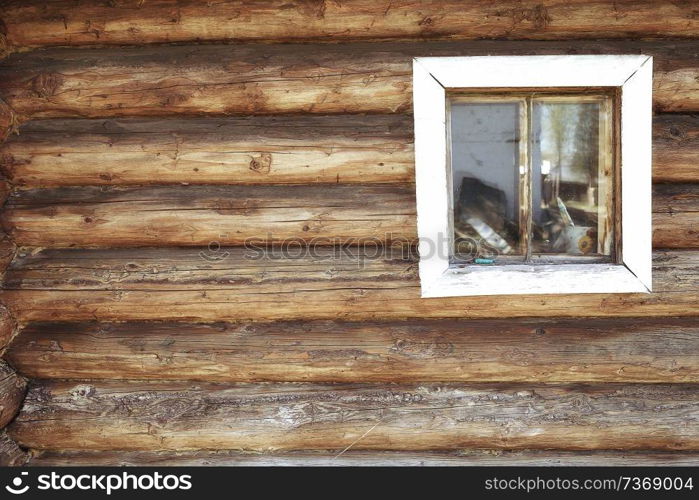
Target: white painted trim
[
  {"x": 431, "y": 174},
  {"x": 432, "y": 76},
  {"x": 636, "y": 175},
  {"x": 534, "y": 280},
  {"x": 532, "y": 71}
]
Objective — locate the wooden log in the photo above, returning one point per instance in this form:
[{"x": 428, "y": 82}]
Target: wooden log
[
  {"x": 675, "y": 148},
  {"x": 240, "y": 150},
  {"x": 12, "y": 389},
  {"x": 259, "y": 79},
  {"x": 259, "y": 150},
  {"x": 33, "y": 24},
  {"x": 363, "y": 458},
  {"x": 93, "y": 216},
  {"x": 11, "y": 455},
  {"x": 538, "y": 350},
  {"x": 130, "y": 415},
  {"x": 201, "y": 215},
  {"x": 235, "y": 284}
]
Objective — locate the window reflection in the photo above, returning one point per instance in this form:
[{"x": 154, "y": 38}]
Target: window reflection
[
  {"x": 531, "y": 176},
  {"x": 566, "y": 209},
  {"x": 485, "y": 141}
]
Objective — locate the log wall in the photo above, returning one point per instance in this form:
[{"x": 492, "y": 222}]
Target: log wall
[{"x": 162, "y": 160}]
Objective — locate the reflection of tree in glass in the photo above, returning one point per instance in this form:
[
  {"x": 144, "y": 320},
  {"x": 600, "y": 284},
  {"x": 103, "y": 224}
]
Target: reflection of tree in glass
[
  {"x": 569, "y": 147},
  {"x": 569, "y": 141}
]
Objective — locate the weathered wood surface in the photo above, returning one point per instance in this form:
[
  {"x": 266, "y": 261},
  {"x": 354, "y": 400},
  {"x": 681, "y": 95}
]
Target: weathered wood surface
[
  {"x": 260, "y": 79},
  {"x": 8, "y": 120},
  {"x": 117, "y": 216},
  {"x": 676, "y": 215},
  {"x": 7, "y": 250},
  {"x": 259, "y": 150},
  {"x": 676, "y": 148},
  {"x": 7, "y": 326},
  {"x": 363, "y": 458},
  {"x": 180, "y": 416},
  {"x": 537, "y": 350},
  {"x": 233, "y": 150},
  {"x": 200, "y": 215},
  {"x": 236, "y": 284},
  {"x": 5, "y": 189},
  {"x": 11, "y": 455},
  {"x": 33, "y": 23},
  {"x": 12, "y": 389}
]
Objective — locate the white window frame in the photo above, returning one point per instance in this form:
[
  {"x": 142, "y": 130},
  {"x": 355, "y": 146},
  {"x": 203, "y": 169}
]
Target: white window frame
[{"x": 433, "y": 76}]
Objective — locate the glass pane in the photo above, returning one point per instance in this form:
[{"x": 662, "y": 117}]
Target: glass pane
[
  {"x": 571, "y": 177},
  {"x": 486, "y": 154}
]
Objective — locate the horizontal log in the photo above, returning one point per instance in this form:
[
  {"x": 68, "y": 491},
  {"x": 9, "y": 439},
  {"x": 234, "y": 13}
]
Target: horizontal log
[
  {"x": 11, "y": 455},
  {"x": 130, "y": 415},
  {"x": 33, "y": 24},
  {"x": 91, "y": 216},
  {"x": 263, "y": 79},
  {"x": 12, "y": 389},
  {"x": 259, "y": 150},
  {"x": 200, "y": 215},
  {"x": 331, "y": 283},
  {"x": 538, "y": 350},
  {"x": 364, "y": 458},
  {"x": 235, "y": 150}
]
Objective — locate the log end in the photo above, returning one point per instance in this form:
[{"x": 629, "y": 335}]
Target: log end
[
  {"x": 9, "y": 122},
  {"x": 11, "y": 455},
  {"x": 7, "y": 326},
  {"x": 12, "y": 391},
  {"x": 7, "y": 251},
  {"x": 5, "y": 49}
]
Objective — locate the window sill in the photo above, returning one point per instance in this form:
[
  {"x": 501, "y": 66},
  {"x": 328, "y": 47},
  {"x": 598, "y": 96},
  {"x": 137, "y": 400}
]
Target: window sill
[{"x": 534, "y": 280}]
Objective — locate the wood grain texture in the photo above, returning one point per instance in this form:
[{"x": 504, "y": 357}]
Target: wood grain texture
[
  {"x": 261, "y": 79},
  {"x": 8, "y": 120},
  {"x": 32, "y": 24},
  {"x": 141, "y": 415},
  {"x": 7, "y": 250},
  {"x": 258, "y": 150},
  {"x": 91, "y": 216},
  {"x": 12, "y": 389},
  {"x": 675, "y": 148},
  {"x": 232, "y": 150},
  {"x": 676, "y": 215},
  {"x": 537, "y": 350},
  {"x": 7, "y": 327},
  {"x": 332, "y": 283},
  {"x": 200, "y": 215},
  {"x": 11, "y": 455},
  {"x": 363, "y": 458}
]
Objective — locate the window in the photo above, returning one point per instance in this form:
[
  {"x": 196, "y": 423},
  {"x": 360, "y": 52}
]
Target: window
[
  {"x": 533, "y": 174},
  {"x": 532, "y": 177}
]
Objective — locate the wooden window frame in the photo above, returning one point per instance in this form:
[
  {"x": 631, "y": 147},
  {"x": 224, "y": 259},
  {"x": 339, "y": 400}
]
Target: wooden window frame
[{"x": 630, "y": 76}]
